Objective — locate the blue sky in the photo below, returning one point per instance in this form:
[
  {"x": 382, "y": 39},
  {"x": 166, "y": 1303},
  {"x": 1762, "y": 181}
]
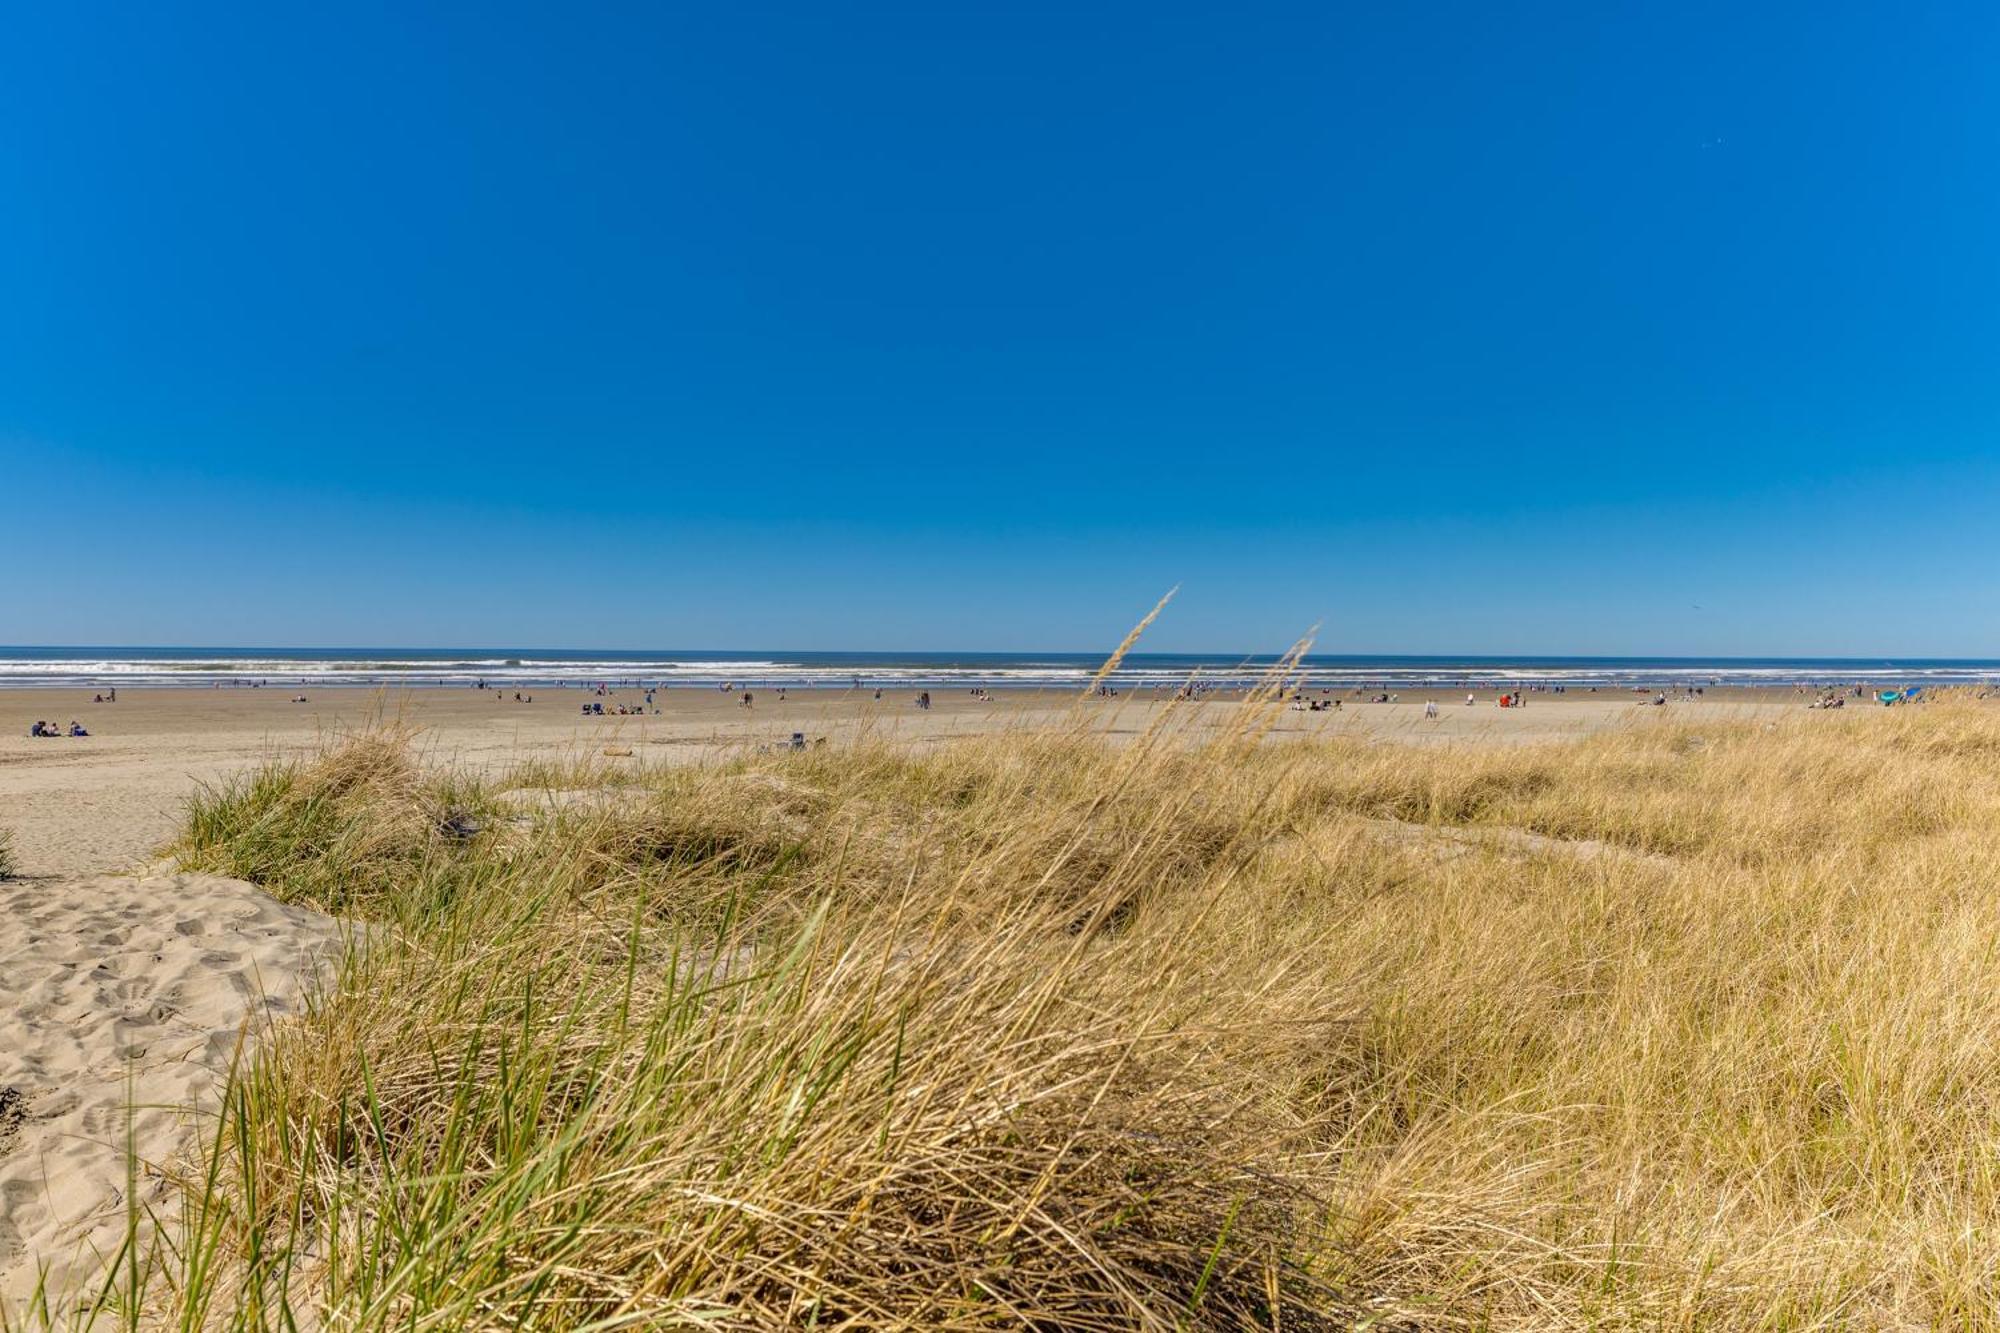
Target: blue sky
[{"x": 1448, "y": 327}]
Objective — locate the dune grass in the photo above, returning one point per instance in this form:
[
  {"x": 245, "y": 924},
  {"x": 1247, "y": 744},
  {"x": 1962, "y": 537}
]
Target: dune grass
[{"x": 1179, "y": 1033}]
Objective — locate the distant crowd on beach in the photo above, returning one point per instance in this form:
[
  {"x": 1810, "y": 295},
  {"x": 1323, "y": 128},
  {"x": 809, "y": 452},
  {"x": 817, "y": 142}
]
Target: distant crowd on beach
[
  {"x": 1909, "y": 694},
  {"x": 1301, "y": 697}
]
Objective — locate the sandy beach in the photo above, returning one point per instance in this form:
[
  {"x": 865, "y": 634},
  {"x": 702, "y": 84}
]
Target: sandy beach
[{"x": 108, "y": 801}]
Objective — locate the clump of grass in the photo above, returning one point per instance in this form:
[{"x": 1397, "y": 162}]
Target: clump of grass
[
  {"x": 1040, "y": 1030},
  {"x": 879, "y": 1085},
  {"x": 345, "y": 831},
  {"x": 847, "y": 1121}
]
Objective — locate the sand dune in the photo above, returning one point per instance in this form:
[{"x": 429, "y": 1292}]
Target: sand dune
[
  {"x": 120, "y": 993},
  {"x": 152, "y": 977}
]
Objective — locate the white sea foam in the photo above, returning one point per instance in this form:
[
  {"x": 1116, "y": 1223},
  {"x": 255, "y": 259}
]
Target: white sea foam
[{"x": 197, "y": 669}]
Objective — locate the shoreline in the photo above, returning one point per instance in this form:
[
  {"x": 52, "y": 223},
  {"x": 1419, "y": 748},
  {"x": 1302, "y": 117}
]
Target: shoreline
[{"x": 103, "y": 668}]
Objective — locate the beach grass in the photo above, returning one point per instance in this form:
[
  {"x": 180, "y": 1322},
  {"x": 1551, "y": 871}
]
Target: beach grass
[{"x": 1690, "y": 1025}]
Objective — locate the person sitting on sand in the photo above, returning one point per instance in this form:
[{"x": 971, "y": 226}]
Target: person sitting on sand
[
  {"x": 39, "y": 729},
  {"x": 76, "y": 728}
]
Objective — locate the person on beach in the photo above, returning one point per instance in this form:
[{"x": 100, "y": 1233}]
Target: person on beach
[
  {"x": 746, "y": 699},
  {"x": 76, "y": 728}
]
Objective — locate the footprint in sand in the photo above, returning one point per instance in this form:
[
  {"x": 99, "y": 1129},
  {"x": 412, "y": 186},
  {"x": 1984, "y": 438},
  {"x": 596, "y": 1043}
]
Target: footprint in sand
[{"x": 121, "y": 999}]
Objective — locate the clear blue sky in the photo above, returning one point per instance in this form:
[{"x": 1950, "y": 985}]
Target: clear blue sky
[{"x": 1455, "y": 327}]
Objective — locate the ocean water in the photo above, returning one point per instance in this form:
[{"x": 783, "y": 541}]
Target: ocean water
[{"x": 74, "y": 667}]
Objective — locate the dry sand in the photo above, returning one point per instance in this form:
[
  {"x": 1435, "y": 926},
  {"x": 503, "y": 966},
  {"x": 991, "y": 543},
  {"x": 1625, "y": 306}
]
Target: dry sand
[
  {"x": 123, "y": 984},
  {"x": 122, "y": 1000},
  {"x": 109, "y": 801}
]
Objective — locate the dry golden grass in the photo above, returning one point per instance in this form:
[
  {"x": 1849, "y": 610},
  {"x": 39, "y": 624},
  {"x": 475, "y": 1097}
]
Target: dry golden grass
[{"x": 1040, "y": 1030}]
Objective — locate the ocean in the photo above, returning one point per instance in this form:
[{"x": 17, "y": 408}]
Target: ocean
[{"x": 190, "y": 667}]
